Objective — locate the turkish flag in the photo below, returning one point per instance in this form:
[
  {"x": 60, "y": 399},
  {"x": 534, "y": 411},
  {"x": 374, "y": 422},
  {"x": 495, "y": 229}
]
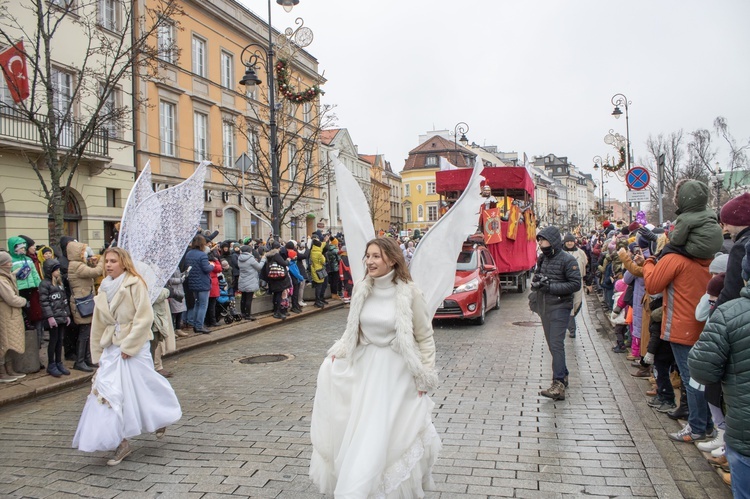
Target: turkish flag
[{"x": 13, "y": 63}]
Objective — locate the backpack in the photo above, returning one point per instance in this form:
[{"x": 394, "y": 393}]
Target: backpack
[{"x": 275, "y": 272}]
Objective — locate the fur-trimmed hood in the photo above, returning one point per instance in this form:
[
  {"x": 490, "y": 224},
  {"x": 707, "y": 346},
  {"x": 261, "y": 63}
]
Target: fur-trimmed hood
[{"x": 413, "y": 339}]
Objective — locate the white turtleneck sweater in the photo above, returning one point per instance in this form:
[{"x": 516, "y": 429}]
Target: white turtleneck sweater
[{"x": 378, "y": 316}]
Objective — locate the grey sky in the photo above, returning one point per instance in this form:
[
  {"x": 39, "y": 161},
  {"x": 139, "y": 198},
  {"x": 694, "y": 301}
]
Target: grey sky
[{"x": 532, "y": 76}]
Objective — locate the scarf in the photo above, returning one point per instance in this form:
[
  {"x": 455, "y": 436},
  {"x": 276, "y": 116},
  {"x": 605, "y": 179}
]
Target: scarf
[{"x": 110, "y": 286}]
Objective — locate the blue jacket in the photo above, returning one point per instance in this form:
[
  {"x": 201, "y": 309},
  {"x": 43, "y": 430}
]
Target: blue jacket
[
  {"x": 199, "y": 278},
  {"x": 294, "y": 270}
]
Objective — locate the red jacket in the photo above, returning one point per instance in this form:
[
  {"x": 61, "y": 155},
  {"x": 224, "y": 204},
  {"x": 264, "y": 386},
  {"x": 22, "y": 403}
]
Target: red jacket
[
  {"x": 683, "y": 281},
  {"x": 215, "y": 291}
]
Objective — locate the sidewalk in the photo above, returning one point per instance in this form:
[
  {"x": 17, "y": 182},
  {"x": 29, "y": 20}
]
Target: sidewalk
[{"x": 40, "y": 383}]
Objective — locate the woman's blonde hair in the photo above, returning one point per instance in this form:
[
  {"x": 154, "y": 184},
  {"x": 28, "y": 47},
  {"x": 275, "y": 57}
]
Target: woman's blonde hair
[
  {"x": 391, "y": 251},
  {"x": 125, "y": 260}
]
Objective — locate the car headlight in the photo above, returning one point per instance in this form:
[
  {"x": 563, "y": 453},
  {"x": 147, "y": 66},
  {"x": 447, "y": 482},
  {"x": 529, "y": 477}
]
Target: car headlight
[{"x": 472, "y": 285}]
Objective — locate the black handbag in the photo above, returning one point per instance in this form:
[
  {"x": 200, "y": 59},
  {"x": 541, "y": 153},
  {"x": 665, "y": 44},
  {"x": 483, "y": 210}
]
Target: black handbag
[
  {"x": 85, "y": 305},
  {"x": 321, "y": 273}
]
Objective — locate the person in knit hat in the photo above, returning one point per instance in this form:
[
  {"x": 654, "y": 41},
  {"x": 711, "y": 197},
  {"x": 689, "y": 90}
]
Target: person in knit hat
[
  {"x": 735, "y": 216},
  {"x": 696, "y": 230}
]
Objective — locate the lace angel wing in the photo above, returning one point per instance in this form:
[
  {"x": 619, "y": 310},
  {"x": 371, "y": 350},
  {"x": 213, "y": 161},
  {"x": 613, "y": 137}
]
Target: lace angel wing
[
  {"x": 355, "y": 216},
  {"x": 163, "y": 225},
  {"x": 140, "y": 191},
  {"x": 433, "y": 266}
]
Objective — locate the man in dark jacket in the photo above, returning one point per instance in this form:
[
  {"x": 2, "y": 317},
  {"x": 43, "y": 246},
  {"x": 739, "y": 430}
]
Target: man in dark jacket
[
  {"x": 722, "y": 353},
  {"x": 556, "y": 280},
  {"x": 735, "y": 216}
]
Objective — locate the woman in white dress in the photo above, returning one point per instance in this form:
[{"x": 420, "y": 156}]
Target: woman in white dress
[
  {"x": 128, "y": 397},
  {"x": 372, "y": 430}
]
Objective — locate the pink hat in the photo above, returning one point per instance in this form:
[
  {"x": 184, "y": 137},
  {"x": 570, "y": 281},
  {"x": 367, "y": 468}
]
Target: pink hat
[{"x": 620, "y": 286}]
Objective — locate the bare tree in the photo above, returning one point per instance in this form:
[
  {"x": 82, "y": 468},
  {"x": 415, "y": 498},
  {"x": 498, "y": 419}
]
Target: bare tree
[
  {"x": 671, "y": 147},
  {"x": 737, "y": 160},
  {"x": 297, "y": 152},
  {"x": 68, "y": 122}
]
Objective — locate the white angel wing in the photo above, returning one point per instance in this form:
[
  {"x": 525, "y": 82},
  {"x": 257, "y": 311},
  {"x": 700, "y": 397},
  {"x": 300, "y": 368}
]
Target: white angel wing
[
  {"x": 140, "y": 191},
  {"x": 355, "y": 217},
  {"x": 162, "y": 226},
  {"x": 433, "y": 266}
]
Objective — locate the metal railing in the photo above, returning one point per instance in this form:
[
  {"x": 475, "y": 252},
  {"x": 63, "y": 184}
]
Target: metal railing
[{"x": 15, "y": 125}]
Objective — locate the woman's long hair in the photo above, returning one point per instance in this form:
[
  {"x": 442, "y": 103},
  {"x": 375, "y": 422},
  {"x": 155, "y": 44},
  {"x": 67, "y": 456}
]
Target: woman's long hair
[
  {"x": 125, "y": 260},
  {"x": 199, "y": 243},
  {"x": 391, "y": 251}
]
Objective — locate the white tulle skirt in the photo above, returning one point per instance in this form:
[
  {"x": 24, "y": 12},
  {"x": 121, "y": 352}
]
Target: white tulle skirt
[
  {"x": 372, "y": 434},
  {"x": 128, "y": 398}
]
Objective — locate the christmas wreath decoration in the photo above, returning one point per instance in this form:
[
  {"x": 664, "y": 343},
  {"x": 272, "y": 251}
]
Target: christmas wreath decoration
[
  {"x": 287, "y": 90},
  {"x": 620, "y": 164}
]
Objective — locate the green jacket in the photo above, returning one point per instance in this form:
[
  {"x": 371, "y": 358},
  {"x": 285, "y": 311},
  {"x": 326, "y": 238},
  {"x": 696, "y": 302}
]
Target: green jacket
[
  {"x": 722, "y": 353},
  {"x": 697, "y": 227},
  {"x": 27, "y": 277}
]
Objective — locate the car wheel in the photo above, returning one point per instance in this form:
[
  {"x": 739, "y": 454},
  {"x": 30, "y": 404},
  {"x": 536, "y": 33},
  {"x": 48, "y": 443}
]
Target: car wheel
[
  {"x": 482, "y": 312},
  {"x": 497, "y": 302}
]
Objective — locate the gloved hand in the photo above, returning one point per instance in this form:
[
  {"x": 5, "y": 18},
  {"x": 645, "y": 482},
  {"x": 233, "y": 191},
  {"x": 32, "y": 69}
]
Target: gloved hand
[
  {"x": 648, "y": 358},
  {"x": 52, "y": 322},
  {"x": 67, "y": 321},
  {"x": 647, "y": 234}
]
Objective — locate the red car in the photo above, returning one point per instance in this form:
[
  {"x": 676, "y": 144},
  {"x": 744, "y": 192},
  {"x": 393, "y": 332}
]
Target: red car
[{"x": 476, "y": 288}]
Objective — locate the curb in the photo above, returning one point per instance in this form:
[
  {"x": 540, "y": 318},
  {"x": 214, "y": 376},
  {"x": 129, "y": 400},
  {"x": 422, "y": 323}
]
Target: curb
[{"x": 40, "y": 384}]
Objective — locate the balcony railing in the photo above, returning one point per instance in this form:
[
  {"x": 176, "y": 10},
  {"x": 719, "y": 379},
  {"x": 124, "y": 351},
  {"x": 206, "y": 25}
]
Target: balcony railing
[{"x": 14, "y": 125}]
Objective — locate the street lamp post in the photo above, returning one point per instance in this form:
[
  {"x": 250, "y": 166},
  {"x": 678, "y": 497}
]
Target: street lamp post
[
  {"x": 599, "y": 165},
  {"x": 718, "y": 178},
  {"x": 617, "y": 101},
  {"x": 251, "y": 59},
  {"x": 461, "y": 128}
]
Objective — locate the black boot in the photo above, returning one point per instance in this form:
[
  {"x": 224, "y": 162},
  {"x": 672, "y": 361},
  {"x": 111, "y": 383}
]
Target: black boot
[
  {"x": 683, "y": 410},
  {"x": 82, "y": 351}
]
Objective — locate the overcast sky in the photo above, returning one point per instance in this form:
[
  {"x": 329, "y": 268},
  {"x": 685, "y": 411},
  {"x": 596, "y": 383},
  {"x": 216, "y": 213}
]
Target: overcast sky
[{"x": 532, "y": 76}]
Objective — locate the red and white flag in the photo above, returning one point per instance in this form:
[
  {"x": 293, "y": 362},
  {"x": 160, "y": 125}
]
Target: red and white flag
[{"x": 13, "y": 64}]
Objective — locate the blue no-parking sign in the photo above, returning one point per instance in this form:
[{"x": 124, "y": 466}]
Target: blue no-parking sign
[{"x": 637, "y": 178}]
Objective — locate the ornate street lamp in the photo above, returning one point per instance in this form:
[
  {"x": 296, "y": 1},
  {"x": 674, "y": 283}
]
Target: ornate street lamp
[
  {"x": 251, "y": 56},
  {"x": 461, "y": 128},
  {"x": 617, "y": 101}
]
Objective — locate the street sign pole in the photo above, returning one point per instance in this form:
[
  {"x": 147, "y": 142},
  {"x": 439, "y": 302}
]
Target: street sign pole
[{"x": 660, "y": 185}]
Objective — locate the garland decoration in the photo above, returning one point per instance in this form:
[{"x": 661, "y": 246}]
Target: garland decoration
[
  {"x": 620, "y": 164},
  {"x": 287, "y": 90}
]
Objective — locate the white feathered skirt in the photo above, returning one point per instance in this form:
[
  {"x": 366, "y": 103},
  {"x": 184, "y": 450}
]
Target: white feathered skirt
[
  {"x": 372, "y": 434},
  {"x": 128, "y": 397}
]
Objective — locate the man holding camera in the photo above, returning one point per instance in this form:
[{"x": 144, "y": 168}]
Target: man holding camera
[{"x": 555, "y": 281}]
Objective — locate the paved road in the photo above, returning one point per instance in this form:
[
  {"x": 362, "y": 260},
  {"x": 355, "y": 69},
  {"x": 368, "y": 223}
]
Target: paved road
[{"x": 245, "y": 427}]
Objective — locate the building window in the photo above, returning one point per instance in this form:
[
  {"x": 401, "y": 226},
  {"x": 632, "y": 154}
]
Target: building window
[
  {"x": 407, "y": 190},
  {"x": 167, "y": 112},
  {"x": 200, "y": 125},
  {"x": 432, "y": 213},
  {"x": 306, "y": 110},
  {"x": 108, "y": 14},
  {"x": 407, "y": 213},
  {"x": 430, "y": 187},
  {"x": 230, "y": 224},
  {"x": 227, "y": 70},
  {"x": 109, "y": 109},
  {"x": 420, "y": 213},
  {"x": 62, "y": 3},
  {"x": 292, "y": 162},
  {"x": 205, "y": 219},
  {"x": 62, "y": 101},
  {"x": 431, "y": 161},
  {"x": 308, "y": 165},
  {"x": 71, "y": 217},
  {"x": 199, "y": 56},
  {"x": 165, "y": 42},
  {"x": 113, "y": 198},
  {"x": 228, "y": 143},
  {"x": 252, "y": 149}
]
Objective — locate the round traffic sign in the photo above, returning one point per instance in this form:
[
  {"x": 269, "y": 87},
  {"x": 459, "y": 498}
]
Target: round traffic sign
[{"x": 637, "y": 178}]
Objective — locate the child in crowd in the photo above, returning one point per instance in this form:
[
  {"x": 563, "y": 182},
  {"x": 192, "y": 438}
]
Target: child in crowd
[
  {"x": 696, "y": 229},
  {"x": 618, "y": 315},
  {"x": 56, "y": 314}
]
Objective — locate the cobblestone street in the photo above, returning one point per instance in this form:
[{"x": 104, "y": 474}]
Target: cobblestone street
[{"x": 245, "y": 429}]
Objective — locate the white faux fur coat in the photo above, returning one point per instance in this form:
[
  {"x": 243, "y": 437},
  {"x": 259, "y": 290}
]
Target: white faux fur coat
[{"x": 413, "y": 340}]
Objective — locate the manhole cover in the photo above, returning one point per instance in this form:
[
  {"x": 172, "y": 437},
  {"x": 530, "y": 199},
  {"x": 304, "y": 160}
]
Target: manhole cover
[
  {"x": 527, "y": 324},
  {"x": 266, "y": 358}
]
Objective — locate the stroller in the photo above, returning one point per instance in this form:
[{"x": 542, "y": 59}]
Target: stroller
[{"x": 225, "y": 306}]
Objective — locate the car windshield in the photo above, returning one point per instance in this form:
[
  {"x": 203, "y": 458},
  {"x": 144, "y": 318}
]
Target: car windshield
[{"x": 467, "y": 260}]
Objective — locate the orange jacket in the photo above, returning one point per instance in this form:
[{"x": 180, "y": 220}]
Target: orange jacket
[{"x": 683, "y": 281}]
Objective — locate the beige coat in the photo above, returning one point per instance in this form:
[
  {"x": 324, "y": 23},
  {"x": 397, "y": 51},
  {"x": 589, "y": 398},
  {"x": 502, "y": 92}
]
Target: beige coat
[
  {"x": 81, "y": 278},
  {"x": 163, "y": 321},
  {"x": 125, "y": 321},
  {"x": 12, "y": 334}
]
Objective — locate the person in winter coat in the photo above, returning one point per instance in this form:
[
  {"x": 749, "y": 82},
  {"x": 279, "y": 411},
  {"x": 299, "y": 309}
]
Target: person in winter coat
[
  {"x": 249, "y": 280},
  {"x": 618, "y": 314},
  {"x": 81, "y": 280},
  {"x": 735, "y": 215},
  {"x": 199, "y": 279},
  {"x": 215, "y": 292},
  {"x": 303, "y": 256},
  {"x": 163, "y": 331},
  {"x": 345, "y": 273},
  {"x": 332, "y": 267},
  {"x": 276, "y": 274},
  {"x": 27, "y": 279},
  {"x": 683, "y": 281},
  {"x": 56, "y": 312},
  {"x": 177, "y": 305},
  {"x": 569, "y": 245},
  {"x": 234, "y": 262},
  {"x": 556, "y": 280},
  {"x": 696, "y": 228},
  {"x": 12, "y": 335},
  {"x": 44, "y": 253},
  {"x": 296, "y": 276},
  {"x": 722, "y": 353},
  {"x": 318, "y": 272}
]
